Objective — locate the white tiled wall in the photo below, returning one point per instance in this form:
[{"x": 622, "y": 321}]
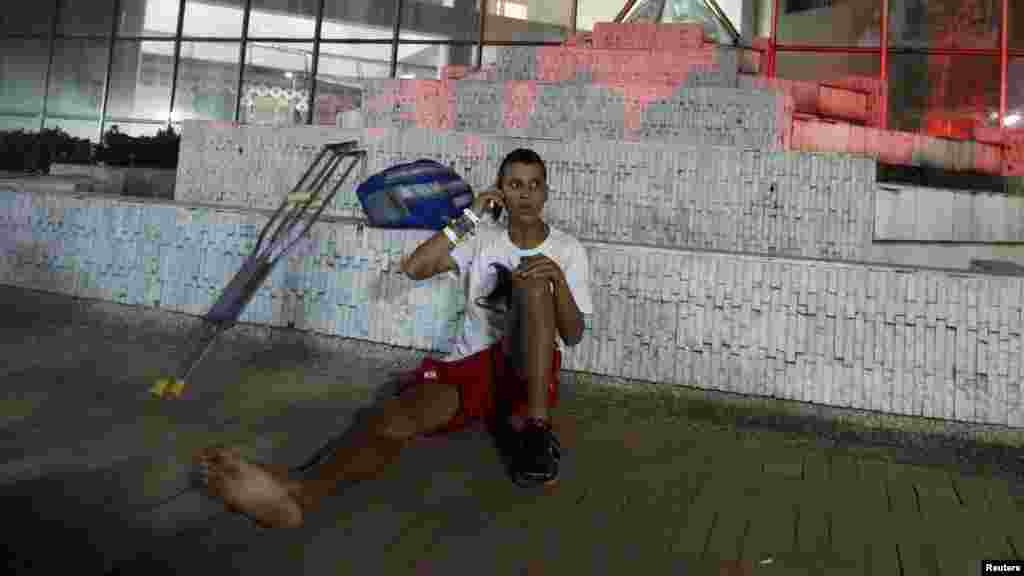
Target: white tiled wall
[
  {"x": 723, "y": 198},
  {"x": 934, "y": 215},
  {"x": 921, "y": 342},
  {"x": 711, "y": 115}
]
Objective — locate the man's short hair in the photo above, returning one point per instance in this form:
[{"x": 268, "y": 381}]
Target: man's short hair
[{"x": 522, "y": 156}]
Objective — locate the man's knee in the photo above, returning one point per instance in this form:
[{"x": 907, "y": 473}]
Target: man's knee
[
  {"x": 532, "y": 285},
  {"x": 532, "y": 292}
]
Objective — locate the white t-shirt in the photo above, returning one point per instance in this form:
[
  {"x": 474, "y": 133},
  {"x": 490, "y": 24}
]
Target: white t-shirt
[{"x": 481, "y": 328}]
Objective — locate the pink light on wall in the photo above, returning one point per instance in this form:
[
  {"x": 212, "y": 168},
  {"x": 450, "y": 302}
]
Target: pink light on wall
[
  {"x": 1004, "y": 57},
  {"x": 884, "y": 72}
]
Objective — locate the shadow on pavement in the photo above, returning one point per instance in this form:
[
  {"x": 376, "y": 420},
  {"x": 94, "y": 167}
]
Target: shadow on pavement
[{"x": 65, "y": 521}]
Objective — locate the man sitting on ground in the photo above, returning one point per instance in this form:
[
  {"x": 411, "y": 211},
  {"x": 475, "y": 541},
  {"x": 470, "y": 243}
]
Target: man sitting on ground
[{"x": 506, "y": 356}]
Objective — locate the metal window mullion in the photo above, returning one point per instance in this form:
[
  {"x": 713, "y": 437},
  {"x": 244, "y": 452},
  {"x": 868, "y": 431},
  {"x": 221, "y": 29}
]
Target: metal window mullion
[
  {"x": 399, "y": 7},
  {"x": 439, "y": 42},
  {"x": 49, "y": 64},
  {"x": 480, "y": 45},
  {"x": 1004, "y": 63},
  {"x": 625, "y": 10},
  {"x": 723, "y": 18},
  {"x": 313, "y": 84},
  {"x": 177, "y": 61},
  {"x": 522, "y": 43},
  {"x": 773, "y": 41},
  {"x": 110, "y": 69},
  {"x": 241, "y": 60}
]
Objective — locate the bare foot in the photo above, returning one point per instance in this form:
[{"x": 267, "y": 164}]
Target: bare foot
[{"x": 262, "y": 493}]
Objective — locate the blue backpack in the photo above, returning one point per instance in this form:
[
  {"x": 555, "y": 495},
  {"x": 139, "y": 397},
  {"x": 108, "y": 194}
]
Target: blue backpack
[{"x": 420, "y": 194}]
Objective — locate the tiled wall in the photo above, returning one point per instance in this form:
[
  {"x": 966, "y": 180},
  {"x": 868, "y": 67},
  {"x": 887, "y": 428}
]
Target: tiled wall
[
  {"x": 934, "y": 215},
  {"x": 709, "y": 65},
  {"x": 723, "y": 198},
  {"x": 179, "y": 258},
  {"x": 919, "y": 342},
  {"x": 706, "y": 116}
]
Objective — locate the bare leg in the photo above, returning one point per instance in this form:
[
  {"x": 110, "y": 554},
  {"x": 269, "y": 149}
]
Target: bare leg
[
  {"x": 274, "y": 498},
  {"x": 377, "y": 445},
  {"x": 535, "y": 304}
]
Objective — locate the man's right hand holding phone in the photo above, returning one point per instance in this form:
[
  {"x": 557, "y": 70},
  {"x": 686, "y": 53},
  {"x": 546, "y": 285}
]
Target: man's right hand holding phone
[{"x": 489, "y": 202}]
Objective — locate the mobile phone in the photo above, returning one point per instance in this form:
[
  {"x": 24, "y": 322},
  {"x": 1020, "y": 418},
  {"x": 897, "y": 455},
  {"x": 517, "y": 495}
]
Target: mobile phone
[{"x": 496, "y": 209}]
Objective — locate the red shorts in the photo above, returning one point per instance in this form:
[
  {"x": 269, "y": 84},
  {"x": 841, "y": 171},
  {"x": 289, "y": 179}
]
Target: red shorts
[{"x": 474, "y": 375}]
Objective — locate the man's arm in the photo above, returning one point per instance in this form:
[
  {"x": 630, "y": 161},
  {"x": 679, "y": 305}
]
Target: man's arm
[
  {"x": 567, "y": 314},
  {"x": 434, "y": 256},
  {"x": 431, "y": 258}
]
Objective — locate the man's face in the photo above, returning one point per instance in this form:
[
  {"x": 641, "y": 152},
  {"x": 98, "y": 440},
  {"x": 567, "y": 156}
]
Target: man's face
[{"x": 525, "y": 191}]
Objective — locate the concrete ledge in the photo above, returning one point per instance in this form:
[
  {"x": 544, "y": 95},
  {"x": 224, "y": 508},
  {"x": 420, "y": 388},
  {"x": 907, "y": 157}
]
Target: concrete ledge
[
  {"x": 122, "y": 180},
  {"x": 917, "y": 214}
]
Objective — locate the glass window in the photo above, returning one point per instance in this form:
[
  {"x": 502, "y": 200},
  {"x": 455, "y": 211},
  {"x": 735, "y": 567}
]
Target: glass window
[
  {"x": 1016, "y": 39},
  {"x": 361, "y": 19},
  {"x": 945, "y": 23},
  {"x": 697, "y": 12},
  {"x": 283, "y": 19},
  {"x": 276, "y": 84},
  {"x": 645, "y": 11},
  {"x": 852, "y": 23},
  {"x": 77, "y": 78},
  {"x": 338, "y": 92},
  {"x": 826, "y": 67},
  {"x": 1015, "y": 93},
  {"x": 221, "y": 19},
  {"x": 25, "y": 123},
  {"x": 441, "y": 20},
  {"x": 590, "y": 12},
  {"x": 733, "y": 11},
  {"x": 134, "y": 129},
  {"x": 140, "y": 80},
  {"x": 207, "y": 85},
  {"x": 528, "y": 20},
  {"x": 427, "y": 61},
  {"x": 148, "y": 18},
  {"x": 23, "y": 74},
  {"x": 86, "y": 17},
  {"x": 85, "y": 129},
  {"x": 355, "y": 60},
  {"x": 947, "y": 96},
  {"x": 30, "y": 18}
]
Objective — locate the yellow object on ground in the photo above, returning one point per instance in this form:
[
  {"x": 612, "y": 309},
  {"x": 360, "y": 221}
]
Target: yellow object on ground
[
  {"x": 168, "y": 388},
  {"x": 160, "y": 388},
  {"x": 176, "y": 389}
]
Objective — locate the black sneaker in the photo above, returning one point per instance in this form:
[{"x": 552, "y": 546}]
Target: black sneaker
[{"x": 539, "y": 453}]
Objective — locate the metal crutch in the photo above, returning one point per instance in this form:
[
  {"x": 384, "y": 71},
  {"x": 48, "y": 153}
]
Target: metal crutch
[{"x": 277, "y": 238}]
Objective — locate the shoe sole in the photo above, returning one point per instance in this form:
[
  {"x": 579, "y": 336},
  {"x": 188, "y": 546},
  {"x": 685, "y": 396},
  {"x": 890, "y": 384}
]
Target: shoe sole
[{"x": 546, "y": 483}]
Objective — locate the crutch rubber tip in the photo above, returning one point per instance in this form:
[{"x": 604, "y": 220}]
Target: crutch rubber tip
[
  {"x": 160, "y": 388},
  {"x": 176, "y": 389}
]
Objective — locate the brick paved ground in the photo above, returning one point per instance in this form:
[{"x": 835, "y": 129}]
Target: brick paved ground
[{"x": 658, "y": 483}]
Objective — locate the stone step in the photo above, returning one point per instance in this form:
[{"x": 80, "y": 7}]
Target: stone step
[
  {"x": 598, "y": 110},
  {"x": 701, "y": 196},
  {"x": 708, "y": 65}
]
